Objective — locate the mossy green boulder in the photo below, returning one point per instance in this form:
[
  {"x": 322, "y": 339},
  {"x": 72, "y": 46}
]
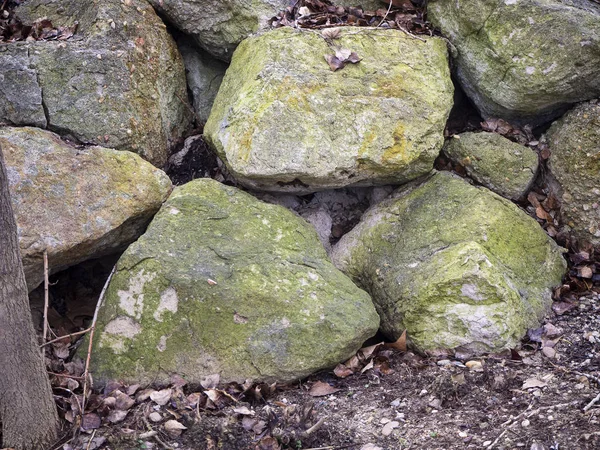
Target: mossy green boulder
[
  {"x": 575, "y": 163},
  {"x": 456, "y": 266},
  {"x": 224, "y": 283},
  {"x": 505, "y": 167},
  {"x": 118, "y": 82},
  {"x": 219, "y": 26},
  {"x": 284, "y": 121},
  {"x": 523, "y": 60},
  {"x": 76, "y": 203}
]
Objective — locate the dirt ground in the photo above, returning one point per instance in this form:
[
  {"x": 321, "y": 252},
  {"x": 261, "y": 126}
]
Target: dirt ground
[{"x": 539, "y": 396}]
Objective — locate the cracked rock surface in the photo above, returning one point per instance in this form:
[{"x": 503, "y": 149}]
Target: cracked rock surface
[{"x": 118, "y": 82}]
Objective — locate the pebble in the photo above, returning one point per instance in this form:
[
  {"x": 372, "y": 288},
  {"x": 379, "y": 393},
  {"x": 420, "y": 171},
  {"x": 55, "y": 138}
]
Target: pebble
[
  {"x": 487, "y": 443},
  {"x": 444, "y": 362},
  {"x": 475, "y": 366},
  {"x": 549, "y": 352},
  {"x": 389, "y": 427},
  {"x": 525, "y": 423},
  {"x": 155, "y": 417}
]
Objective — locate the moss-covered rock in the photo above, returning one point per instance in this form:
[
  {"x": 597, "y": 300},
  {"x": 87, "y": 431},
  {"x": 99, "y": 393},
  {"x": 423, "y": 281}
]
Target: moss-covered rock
[
  {"x": 119, "y": 82},
  {"x": 283, "y": 121},
  {"x": 219, "y": 26},
  {"x": 455, "y": 265},
  {"x": 224, "y": 283},
  {"x": 505, "y": 167},
  {"x": 523, "y": 60},
  {"x": 76, "y": 203},
  {"x": 575, "y": 162}
]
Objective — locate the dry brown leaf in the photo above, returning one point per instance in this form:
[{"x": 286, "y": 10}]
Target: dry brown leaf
[
  {"x": 320, "y": 389},
  {"x": 334, "y": 63},
  {"x": 400, "y": 343},
  {"x": 341, "y": 371}
]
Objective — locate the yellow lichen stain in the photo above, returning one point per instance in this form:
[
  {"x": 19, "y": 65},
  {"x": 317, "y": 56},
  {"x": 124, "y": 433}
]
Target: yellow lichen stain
[
  {"x": 397, "y": 154},
  {"x": 245, "y": 146}
]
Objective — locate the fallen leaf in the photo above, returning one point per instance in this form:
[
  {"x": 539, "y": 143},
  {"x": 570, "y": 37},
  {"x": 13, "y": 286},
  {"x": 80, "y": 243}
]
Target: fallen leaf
[
  {"x": 123, "y": 401},
  {"x": 533, "y": 383},
  {"x": 268, "y": 443},
  {"x": 341, "y": 371},
  {"x": 367, "y": 367},
  {"x": 161, "y": 397},
  {"x": 320, "y": 389},
  {"x": 174, "y": 428},
  {"x": 334, "y": 63},
  {"x": 330, "y": 33},
  {"x": 400, "y": 343},
  {"x": 243, "y": 410},
  {"x": 90, "y": 421}
]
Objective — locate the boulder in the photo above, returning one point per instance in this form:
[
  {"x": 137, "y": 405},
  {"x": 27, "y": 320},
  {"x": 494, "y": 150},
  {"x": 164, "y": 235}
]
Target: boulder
[
  {"x": 456, "y": 266},
  {"x": 224, "y": 283},
  {"x": 76, "y": 203},
  {"x": 574, "y": 141},
  {"x": 219, "y": 26},
  {"x": 507, "y": 168},
  {"x": 523, "y": 60},
  {"x": 284, "y": 121},
  {"x": 118, "y": 82},
  {"x": 204, "y": 75}
]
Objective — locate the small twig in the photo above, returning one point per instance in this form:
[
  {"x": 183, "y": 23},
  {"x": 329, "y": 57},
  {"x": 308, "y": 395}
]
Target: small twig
[
  {"x": 386, "y": 14},
  {"x": 90, "y": 441},
  {"x": 315, "y": 427},
  {"x": 527, "y": 413},
  {"x": 64, "y": 375},
  {"x": 592, "y": 403},
  {"x": 92, "y": 329},
  {"x": 60, "y": 338},
  {"x": 155, "y": 435},
  {"x": 45, "y": 333},
  {"x": 414, "y": 36}
]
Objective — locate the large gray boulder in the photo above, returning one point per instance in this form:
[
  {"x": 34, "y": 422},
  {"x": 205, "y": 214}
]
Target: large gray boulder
[
  {"x": 454, "y": 265},
  {"x": 505, "y": 167},
  {"x": 284, "y": 121},
  {"x": 119, "y": 82},
  {"x": 219, "y": 26},
  {"x": 575, "y": 144},
  {"x": 523, "y": 60},
  {"x": 76, "y": 203},
  {"x": 224, "y": 283}
]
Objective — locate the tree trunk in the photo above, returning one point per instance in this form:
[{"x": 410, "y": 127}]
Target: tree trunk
[{"x": 27, "y": 408}]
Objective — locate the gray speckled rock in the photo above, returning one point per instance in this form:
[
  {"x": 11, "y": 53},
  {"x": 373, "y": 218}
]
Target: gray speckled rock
[
  {"x": 523, "y": 60},
  {"x": 76, "y": 203},
  {"x": 283, "y": 121},
  {"x": 455, "y": 265},
  {"x": 505, "y": 167},
  {"x": 575, "y": 162},
  {"x": 224, "y": 283},
  {"x": 218, "y": 26},
  {"x": 204, "y": 76},
  {"x": 119, "y": 82}
]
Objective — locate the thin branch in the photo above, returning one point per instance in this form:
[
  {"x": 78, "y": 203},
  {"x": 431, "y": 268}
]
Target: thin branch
[
  {"x": 386, "y": 14},
  {"x": 92, "y": 329},
  {"x": 45, "y": 333},
  {"x": 60, "y": 338}
]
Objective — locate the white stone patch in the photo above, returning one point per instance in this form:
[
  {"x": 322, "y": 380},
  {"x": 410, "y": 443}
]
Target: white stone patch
[
  {"x": 173, "y": 211},
  {"x": 285, "y": 322},
  {"x": 162, "y": 344},
  {"x": 313, "y": 276},
  {"x": 511, "y": 2},
  {"x": 117, "y": 331},
  {"x": 529, "y": 70},
  {"x": 549, "y": 69},
  {"x": 471, "y": 291},
  {"x": 132, "y": 300},
  {"x": 168, "y": 302}
]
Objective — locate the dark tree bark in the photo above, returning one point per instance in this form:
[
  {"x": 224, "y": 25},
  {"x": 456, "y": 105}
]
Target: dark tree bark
[{"x": 27, "y": 408}]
